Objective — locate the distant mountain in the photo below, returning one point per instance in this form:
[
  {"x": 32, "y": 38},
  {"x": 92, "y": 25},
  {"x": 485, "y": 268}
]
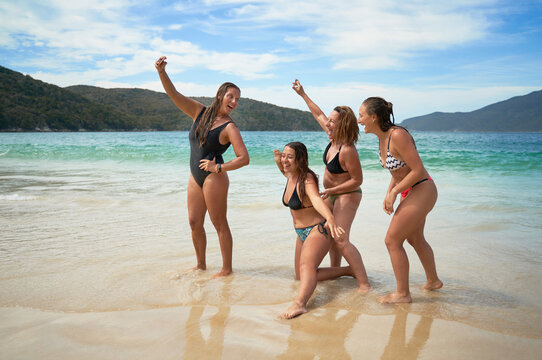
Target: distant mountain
[
  {"x": 27, "y": 104},
  {"x": 157, "y": 111},
  {"x": 518, "y": 114}
]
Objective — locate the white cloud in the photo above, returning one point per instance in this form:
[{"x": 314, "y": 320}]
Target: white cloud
[
  {"x": 66, "y": 34},
  {"x": 183, "y": 55},
  {"x": 360, "y": 34}
]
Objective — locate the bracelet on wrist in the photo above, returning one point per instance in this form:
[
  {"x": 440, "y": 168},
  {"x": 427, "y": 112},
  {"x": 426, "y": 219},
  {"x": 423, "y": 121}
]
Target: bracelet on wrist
[{"x": 219, "y": 168}]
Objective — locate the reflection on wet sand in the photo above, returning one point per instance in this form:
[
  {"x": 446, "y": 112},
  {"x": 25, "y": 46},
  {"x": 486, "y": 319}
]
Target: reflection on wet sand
[
  {"x": 311, "y": 336},
  {"x": 398, "y": 347},
  {"x": 196, "y": 346}
]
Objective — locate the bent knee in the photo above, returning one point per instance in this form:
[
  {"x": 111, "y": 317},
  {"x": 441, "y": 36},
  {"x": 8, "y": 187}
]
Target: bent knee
[
  {"x": 341, "y": 242},
  {"x": 393, "y": 242},
  {"x": 306, "y": 266}
]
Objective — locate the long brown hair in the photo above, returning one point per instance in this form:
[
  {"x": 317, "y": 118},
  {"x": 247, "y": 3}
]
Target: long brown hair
[
  {"x": 206, "y": 122},
  {"x": 347, "y": 126},
  {"x": 302, "y": 161}
]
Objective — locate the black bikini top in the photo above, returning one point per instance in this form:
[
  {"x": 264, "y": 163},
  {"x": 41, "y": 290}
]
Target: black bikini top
[
  {"x": 334, "y": 166},
  {"x": 294, "y": 203}
]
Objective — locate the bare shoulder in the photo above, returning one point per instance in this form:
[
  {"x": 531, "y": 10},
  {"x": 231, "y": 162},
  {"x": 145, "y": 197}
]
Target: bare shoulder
[
  {"x": 401, "y": 137},
  {"x": 310, "y": 179},
  {"x": 349, "y": 152},
  {"x": 232, "y": 130}
]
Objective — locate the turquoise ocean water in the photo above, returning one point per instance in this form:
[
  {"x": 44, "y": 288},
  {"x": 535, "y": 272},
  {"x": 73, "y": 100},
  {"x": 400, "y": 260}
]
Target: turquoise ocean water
[{"x": 97, "y": 222}]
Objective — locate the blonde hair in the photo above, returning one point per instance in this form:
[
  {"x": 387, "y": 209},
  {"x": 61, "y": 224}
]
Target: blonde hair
[{"x": 347, "y": 127}]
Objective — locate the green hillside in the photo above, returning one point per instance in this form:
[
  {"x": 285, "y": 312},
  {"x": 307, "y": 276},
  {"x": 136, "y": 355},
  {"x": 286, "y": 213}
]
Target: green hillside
[
  {"x": 31, "y": 105},
  {"x": 155, "y": 110},
  {"x": 27, "y": 105},
  {"x": 518, "y": 114}
]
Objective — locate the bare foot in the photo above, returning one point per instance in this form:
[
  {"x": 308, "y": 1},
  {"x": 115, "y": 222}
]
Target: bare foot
[
  {"x": 222, "y": 273},
  {"x": 364, "y": 288},
  {"x": 434, "y": 285},
  {"x": 295, "y": 309},
  {"x": 394, "y": 298},
  {"x": 197, "y": 267}
]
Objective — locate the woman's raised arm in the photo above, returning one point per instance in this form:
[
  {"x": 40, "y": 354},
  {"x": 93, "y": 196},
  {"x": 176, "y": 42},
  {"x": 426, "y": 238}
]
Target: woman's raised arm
[
  {"x": 187, "y": 105},
  {"x": 315, "y": 109}
]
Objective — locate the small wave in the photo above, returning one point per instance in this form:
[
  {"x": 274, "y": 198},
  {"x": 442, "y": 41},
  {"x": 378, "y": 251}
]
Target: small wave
[
  {"x": 17, "y": 197},
  {"x": 5, "y": 152}
]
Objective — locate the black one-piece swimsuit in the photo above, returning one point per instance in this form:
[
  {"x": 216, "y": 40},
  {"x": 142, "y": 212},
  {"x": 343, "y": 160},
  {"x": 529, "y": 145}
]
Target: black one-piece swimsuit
[{"x": 211, "y": 149}]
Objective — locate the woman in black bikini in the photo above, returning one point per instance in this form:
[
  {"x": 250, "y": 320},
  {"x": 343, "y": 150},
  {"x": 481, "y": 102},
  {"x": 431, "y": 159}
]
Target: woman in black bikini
[
  {"x": 418, "y": 196},
  {"x": 312, "y": 220},
  {"x": 342, "y": 180},
  {"x": 210, "y": 135}
]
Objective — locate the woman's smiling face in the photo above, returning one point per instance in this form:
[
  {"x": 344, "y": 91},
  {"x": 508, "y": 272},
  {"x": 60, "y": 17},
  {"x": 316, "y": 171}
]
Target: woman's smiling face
[
  {"x": 287, "y": 160},
  {"x": 230, "y": 100}
]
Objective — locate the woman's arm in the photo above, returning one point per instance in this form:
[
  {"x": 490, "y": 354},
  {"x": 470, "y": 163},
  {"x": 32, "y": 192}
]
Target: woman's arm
[
  {"x": 352, "y": 165},
  {"x": 278, "y": 156},
  {"x": 187, "y": 105},
  {"x": 319, "y": 205},
  {"x": 315, "y": 110},
  {"x": 403, "y": 145},
  {"x": 233, "y": 136}
]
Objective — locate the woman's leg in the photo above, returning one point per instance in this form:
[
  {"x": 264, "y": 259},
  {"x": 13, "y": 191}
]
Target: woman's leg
[
  {"x": 313, "y": 251},
  {"x": 323, "y": 273},
  {"x": 409, "y": 217},
  {"x": 215, "y": 191},
  {"x": 427, "y": 258},
  {"x": 196, "y": 216},
  {"x": 335, "y": 256},
  {"x": 344, "y": 210}
]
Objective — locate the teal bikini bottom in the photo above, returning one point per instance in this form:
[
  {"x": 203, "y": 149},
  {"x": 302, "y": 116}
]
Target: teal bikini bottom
[{"x": 304, "y": 232}]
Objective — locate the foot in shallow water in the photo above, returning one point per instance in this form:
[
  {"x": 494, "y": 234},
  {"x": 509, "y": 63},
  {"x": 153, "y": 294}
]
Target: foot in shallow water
[
  {"x": 197, "y": 267},
  {"x": 222, "y": 273},
  {"x": 364, "y": 288},
  {"x": 433, "y": 285},
  {"x": 295, "y": 309},
  {"x": 394, "y": 298}
]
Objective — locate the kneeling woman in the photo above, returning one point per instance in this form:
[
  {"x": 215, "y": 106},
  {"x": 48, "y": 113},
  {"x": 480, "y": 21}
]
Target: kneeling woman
[{"x": 313, "y": 221}]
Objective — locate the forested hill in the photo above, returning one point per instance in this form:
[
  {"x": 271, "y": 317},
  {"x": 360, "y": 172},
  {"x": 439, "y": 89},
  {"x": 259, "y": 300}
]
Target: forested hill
[
  {"x": 27, "y": 104},
  {"x": 518, "y": 114}
]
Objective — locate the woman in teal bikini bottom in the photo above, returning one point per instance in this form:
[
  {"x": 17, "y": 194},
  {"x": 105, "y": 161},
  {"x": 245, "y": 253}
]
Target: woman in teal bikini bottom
[
  {"x": 304, "y": 232},
  {"x": 313, "y": 222}
]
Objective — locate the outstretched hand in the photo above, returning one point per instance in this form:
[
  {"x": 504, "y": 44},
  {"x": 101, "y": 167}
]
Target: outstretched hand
[
  {"x": 277, "y": 155},
  {"x": 335, "y": 230},
  {"x": 297, "y": 87},
  {"x": 160, "y": 64}
]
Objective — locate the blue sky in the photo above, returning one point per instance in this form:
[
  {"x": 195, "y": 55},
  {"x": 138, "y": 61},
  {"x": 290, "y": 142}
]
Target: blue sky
[{"x": 423, "y": 56}]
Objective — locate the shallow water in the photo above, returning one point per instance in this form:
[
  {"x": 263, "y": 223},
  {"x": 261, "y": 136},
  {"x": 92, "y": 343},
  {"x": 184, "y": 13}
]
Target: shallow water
[{"x": 96, "y": 223}]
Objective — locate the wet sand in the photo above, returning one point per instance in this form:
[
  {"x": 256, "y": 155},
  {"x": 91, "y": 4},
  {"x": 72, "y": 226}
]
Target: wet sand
[{"x": 250, "y": 332}]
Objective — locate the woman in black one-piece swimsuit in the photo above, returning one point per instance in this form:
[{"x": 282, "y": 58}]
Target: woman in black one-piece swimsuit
[{"x": 210, "y": 136}]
